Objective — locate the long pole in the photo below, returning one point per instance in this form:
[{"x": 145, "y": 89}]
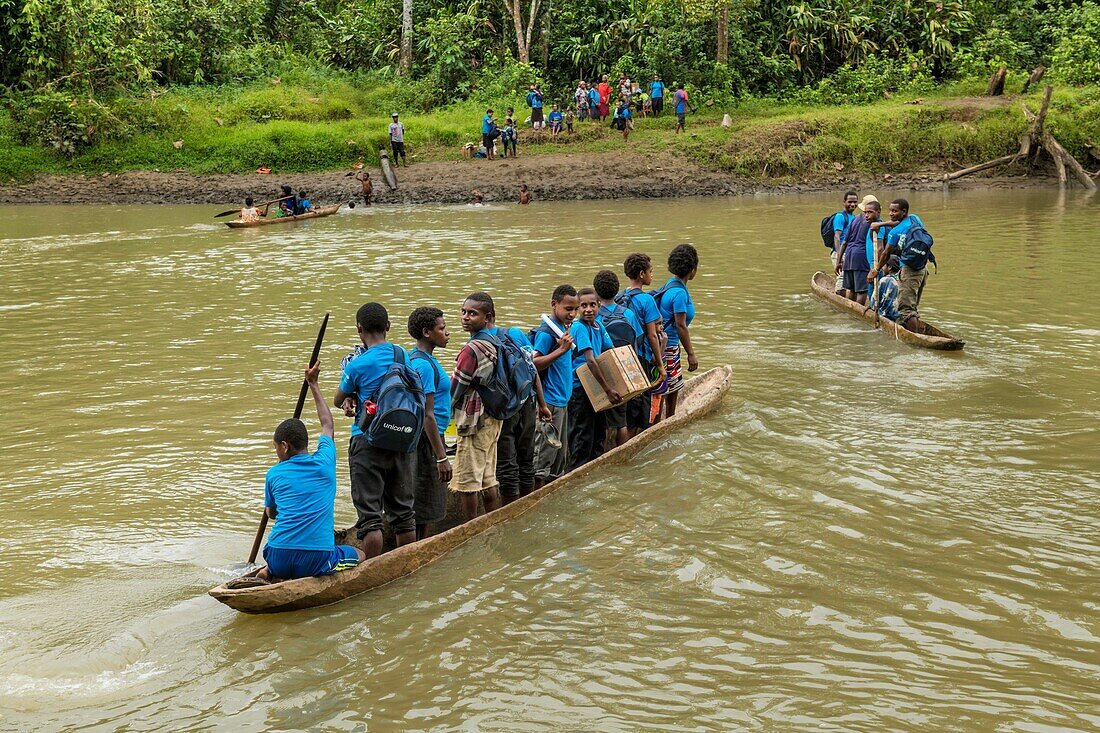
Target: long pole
[{"x": 297, "y": 414}]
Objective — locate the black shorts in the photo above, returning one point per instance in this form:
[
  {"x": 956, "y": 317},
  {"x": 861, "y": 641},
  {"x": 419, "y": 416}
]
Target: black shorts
[
  {"x": 658, "y": 104},
  {"x": 856, "y": 280},
  {"x": 430, "y": 503},
  {"x": 487, "y": 141},
  {"x": 615, "y": 417},
  {"x": 381, "y": 479},
  {"x": 398, "y": 148},
  {"x": 536, "y": 114},
  {"x": 680, "y": 118},
  {"x": 516, "y": 451},
  {"x": 637, "y": 412}
]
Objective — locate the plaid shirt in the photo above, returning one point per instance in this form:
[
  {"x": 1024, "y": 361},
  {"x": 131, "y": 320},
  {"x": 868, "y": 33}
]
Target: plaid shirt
[{"x": 475, "y": 363}]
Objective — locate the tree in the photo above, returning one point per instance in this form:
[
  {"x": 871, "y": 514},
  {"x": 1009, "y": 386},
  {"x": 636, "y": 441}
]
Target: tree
[
  {"x": 406, "y": 37},
  {"x": 523, "y": 37}
]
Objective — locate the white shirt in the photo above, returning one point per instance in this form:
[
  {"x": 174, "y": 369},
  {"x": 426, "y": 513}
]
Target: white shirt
[{"x": 397, "y": 132}]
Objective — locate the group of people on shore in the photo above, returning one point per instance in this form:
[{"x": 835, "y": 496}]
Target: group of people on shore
[
  {"x": 881, "y": 263},
  {"x": 521, "y": 415}
]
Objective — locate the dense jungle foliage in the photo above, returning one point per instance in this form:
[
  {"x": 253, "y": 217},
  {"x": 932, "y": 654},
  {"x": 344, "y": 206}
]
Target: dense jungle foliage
[{"x": 77, "y": 73}]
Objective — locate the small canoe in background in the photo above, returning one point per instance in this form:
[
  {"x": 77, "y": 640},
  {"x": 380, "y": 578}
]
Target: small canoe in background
[
  {"x": 930, "y": 338},
  {"x": 700, "y": 396},
  {"x": 315, "y": 214}
]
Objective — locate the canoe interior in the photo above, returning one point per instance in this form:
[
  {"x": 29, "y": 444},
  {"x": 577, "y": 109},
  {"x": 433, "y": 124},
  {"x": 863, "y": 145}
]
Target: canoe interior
[
  {"x": 267, "y": 221},
  {"x": 701, "y": 396},
  {"x": 929, "y": 337}
]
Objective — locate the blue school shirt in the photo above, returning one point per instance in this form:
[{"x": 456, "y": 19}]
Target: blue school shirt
[
  {"x": 645, "y": 308},
  {"x": 587, "y": 337},
  {"x": 593, "y": 98},
  {"x": 657, "y": 89},
  {"x": 841, "y": 220},
  {"x": 302, "y": 490},
  {"x": 895, "y": 235},
  {"x": 436, "y": 382},
  {"x": 363, "y": 374},
  {"x": 487, "y": 124},
  {"x": 555, "y": 116},
  {"x": 675, "y": 300},
  {"x": 557, "y": 380}
]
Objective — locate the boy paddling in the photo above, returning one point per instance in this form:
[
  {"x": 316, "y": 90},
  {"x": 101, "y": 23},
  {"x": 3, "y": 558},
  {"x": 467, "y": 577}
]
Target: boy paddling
[
  {"x": 379, "y": 477},
  {"x": 299, "y": 492}
]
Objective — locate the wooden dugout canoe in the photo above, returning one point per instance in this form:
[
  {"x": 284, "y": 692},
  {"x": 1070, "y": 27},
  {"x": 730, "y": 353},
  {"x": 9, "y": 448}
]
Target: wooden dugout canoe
[
  {"x": 700, "y": 396},
  {"x": 315, "y": 214},
  {"x": 931, "y": 338}
]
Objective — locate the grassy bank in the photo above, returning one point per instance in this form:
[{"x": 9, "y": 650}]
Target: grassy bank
[{"x": 295, "y": 126}]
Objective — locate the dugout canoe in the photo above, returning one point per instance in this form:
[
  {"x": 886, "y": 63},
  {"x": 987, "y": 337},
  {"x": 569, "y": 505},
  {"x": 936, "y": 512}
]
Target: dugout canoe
[
  {"x": 700, "y": 396},
  {"x": 930, "y": 338},
  {"x": 315, "y": 214}
]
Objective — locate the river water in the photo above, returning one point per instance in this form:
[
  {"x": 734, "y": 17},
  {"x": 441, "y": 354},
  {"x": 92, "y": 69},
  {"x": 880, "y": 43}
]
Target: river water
[{"x": 865, "y": 536}]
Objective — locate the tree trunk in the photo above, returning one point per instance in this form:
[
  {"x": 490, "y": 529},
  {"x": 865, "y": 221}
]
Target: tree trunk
[
  {"x": 545, "y": 36},
  {"x": 514, "y": 9},
  {"x": 406, "y": 37},
  {"x": 530, "y": 27},
  {"x": 723, "y": 55},
  {"x": 996, "y": 85}
]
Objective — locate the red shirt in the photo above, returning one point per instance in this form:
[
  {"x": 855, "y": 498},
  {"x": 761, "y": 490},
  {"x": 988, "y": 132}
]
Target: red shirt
[{"x": 605, "y": 92}]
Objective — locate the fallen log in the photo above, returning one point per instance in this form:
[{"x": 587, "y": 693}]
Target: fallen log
[{"x": 1035, "y": 78}]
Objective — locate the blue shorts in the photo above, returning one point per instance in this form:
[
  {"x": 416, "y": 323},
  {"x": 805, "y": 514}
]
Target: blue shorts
[{"x": 289, "y": 564}]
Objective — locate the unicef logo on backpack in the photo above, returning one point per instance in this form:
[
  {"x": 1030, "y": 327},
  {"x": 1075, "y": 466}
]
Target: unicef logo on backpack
[{"x": 398, "y": 428}]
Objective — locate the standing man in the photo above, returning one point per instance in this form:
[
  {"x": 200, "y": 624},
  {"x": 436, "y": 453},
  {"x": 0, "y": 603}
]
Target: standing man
[
  {"x": 534, "y": 101},
  {"x": 841, "y": 220},
  {"x": 397, "y": 140},
  {"x": 680, "y": 100},
  {"x": 488, "y": 133},
  {"x": 914, "y": 265},
  {"x": 657, "y": 94}
]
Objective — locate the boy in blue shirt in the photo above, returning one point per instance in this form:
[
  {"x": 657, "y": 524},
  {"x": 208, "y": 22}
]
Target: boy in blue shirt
[
  {"x": 298, "y": 495},
  {"x": 555, "y": 121},
  {"x": 618, "y": 419},
  {"x": 657, "y": 94},
  {"x": 841, "y": 220},
  {"x": 303, "y": 205},
  {"x": 433, "y": 468},
  {"x": 638, "y": 267},
  {"x": 910, "y": 281},
  {"x": 586, "y": 426},
  {"x": 378, "y": 476},
  {"x": 553, "y": 348},
  {"x": 677, "y": 312}
]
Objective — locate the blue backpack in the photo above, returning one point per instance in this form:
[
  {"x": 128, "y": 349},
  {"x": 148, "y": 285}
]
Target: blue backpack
[
  {"x": 513, "y": 379},
  {"x": 399, "y": 417},
  {"x": 439, "y": 375},
  {"x": 617, "y": 326},
  {"x": 657, "y": 294},
  {"x": 916, "y": 248}
]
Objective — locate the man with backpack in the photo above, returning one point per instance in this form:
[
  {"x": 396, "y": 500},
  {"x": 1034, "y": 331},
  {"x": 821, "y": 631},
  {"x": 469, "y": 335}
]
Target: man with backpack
[
  {"x": 484, "y": 395},
  {"x": 910, "y": 241},
  {"x": 534, "y": 101},
  {"x": 388, "y": 399},
  {"x": 832, "y": 232},
  {"x": 624, "y": 329}
]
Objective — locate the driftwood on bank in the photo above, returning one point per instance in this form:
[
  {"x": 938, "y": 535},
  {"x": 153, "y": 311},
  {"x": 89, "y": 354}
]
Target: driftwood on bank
[
  {"x": 1037, "y": 140},
  {"x": 1035, "y": 78},
  {"x": 996, "y": 86}
]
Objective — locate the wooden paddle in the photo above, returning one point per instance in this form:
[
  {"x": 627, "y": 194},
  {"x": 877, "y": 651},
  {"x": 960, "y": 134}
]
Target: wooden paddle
[
  {"x": 265, "y": 203},
  {"x": 297, "y": 414}
]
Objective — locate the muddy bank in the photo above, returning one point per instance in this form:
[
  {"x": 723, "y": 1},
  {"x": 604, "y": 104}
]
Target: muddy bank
[{"x": 550, "y": 177}]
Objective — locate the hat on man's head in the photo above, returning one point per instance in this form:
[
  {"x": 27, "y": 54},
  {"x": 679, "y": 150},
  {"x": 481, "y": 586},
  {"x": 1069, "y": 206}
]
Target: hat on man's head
[
  {"x": 394, "y": 115},
  {"x": 866, "y": 200}
]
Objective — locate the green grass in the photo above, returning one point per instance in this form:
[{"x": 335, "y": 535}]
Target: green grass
[{"x": 295, "y": 126}]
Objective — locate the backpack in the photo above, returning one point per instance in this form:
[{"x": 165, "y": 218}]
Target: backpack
[
  {"x": 827, "y": 230},
  {"x": 513, "y": 379},
  {"x": 672, "y": 284},
  {"x": 439, "y": 375},
  {"x": 916, "y": 248},
  {"x": 399, "y": 418},
  {"x": 617, "y": 326}
]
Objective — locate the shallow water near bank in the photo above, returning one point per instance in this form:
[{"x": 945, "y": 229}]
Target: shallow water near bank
[{"x": 865, "y": 536}]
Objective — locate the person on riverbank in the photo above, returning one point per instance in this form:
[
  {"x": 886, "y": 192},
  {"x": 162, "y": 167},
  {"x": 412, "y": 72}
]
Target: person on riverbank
[
  {"x": 624, "y": 329},
  {"x": 586, "y": 426},
  {"x": 428, "y": 328},
  {"x": 555, "y": 120},
  {"x": 852, "y": 265},
  {"x": 638, "y": 268},
  {"x": 475, "y": 469},
  {"x": 623, "y": 118},
  {"x": 625, "y": 87},
  {"x": 524, "y": 194},
  {"x": 397, "y": 140},
  {"x": 580, "y": 100},
  {"x": 677, "y": 312},
  {"x": 657, "y": 95},
  {"x": 841, "y": 220},
  {"x": 489, "y": 134},
  {"x": 569, "y": 120},
  {"x": 884, "y": 299},
  {"x": 249, "y": 213},
  {"x": 363, "y": 176},
  {"x": 594, "y": 103},
  {"x": 553, "y": 349},
  {"x": 604, "y": 90},
  {"x": 299, "y": 495},
  {"x": 681, "y": 104},
  {"x": 534, "y": 101},
  {"x": 516, "y": 444},
  {"x": 509, "y": 137},
  {"x": 379, "y": 477},
  {"x": 914, "y": 267}
]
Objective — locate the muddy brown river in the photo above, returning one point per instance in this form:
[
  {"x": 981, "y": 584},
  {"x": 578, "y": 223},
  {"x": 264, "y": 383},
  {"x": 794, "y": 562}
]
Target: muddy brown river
[{"x": 865, "y": 536}]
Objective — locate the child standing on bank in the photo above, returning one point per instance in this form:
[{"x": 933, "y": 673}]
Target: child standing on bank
[
  {"x": 553, "y": 348},
  {"x": 586, "y": 426}
]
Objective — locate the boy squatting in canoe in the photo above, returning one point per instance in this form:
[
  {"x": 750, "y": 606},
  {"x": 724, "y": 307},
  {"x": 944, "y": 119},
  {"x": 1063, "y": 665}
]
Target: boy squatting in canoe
[{"x": 298, "y": 495}]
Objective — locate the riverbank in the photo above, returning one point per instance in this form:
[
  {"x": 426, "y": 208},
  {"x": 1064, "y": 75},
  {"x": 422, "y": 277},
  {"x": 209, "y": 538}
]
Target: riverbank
[{"x": 550, "y": 177}]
